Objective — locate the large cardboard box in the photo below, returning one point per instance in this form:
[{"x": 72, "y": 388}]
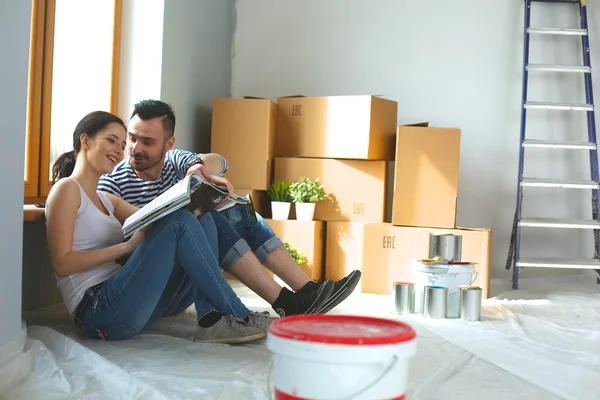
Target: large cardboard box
[
  {"x": 243, "y": 131},
  {"x": 388, "y": 251},
  {"x": 260, "y": 200},
  {"x": 307, "y": 237},
  {"x": 344, "y": 249},
  {"x": 426, "y": 176},
  {"x": 362, "y": 127},
  {"x": 355, "y": 188}
]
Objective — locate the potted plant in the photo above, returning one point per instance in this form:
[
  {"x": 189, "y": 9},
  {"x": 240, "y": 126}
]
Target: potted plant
[
  {"x": 305, "y": 194},
  {"x": 298, "y": 257},
  {"x": 279, "y": 192}
]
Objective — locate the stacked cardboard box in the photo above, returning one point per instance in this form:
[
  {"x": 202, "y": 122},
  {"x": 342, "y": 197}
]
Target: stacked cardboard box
[
  {"x": 388, "y": 186},
  {"x": 243, "y": 132}
]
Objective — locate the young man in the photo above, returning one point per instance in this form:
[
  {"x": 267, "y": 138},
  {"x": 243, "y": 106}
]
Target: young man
[{"x": 153, "y": 167}]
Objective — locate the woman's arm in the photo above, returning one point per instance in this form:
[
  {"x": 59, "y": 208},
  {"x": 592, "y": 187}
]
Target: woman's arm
[
  {"x": 123, "y": 209},
  {"x": 61, "y": 212}
]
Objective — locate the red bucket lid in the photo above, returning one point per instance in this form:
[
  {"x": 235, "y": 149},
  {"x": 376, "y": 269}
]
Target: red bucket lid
[{"x": 342, "y": 329}]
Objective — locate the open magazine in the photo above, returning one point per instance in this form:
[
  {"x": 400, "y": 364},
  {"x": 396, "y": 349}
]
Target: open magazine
[{"x": 193, "y": 192}]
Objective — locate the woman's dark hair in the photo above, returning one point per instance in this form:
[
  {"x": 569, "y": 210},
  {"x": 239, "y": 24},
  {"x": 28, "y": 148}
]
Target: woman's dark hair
[{"x": 91, "y": 124}]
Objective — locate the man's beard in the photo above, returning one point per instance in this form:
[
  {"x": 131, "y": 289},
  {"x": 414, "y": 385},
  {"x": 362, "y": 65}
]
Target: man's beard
[{"x": 149, "y": 163}]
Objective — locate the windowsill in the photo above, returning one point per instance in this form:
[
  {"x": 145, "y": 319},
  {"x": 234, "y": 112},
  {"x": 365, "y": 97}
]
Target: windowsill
[{"x": 32, "y": 213}]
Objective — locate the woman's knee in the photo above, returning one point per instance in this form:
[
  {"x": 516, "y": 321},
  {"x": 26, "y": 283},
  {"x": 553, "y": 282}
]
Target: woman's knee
[{"x": 181, "y": 215}]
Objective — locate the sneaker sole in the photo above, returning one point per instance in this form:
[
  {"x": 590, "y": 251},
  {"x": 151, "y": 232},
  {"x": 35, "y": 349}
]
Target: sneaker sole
[
  {"x": 236, "y": 340},
  {"x": 322, "y": 295},
  {"x": 342, "y": 294}
]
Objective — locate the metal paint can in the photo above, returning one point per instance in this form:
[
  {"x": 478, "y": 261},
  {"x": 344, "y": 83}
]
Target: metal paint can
[
  {"x": 404, "y": 297},
  {"x": 470, "y": 303},
  {"x": 434, "y": 303},
  {"x": 445, "y": 245}
]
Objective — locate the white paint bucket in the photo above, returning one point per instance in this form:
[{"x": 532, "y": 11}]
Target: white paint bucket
[
  {"x": 321, "y": 357},
  {"x": 450, "y": 276}
]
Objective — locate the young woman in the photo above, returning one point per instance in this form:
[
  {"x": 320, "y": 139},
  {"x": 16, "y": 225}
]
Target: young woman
[{"x": 170, "y": 265}]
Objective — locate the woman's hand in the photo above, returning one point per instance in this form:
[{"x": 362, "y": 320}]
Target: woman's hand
[{"x": 137, "y": 238}]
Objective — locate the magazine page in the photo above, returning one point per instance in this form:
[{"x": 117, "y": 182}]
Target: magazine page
[
  {"x": 232, "y": 201},
  {"x": 163, "y": 202}
]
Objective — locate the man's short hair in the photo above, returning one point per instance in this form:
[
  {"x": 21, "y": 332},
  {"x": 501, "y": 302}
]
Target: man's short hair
[{"x": 150, "y": 109}]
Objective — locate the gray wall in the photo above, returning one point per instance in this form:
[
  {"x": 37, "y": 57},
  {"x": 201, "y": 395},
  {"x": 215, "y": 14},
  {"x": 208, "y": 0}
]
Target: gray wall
[
  {"x": 454, "y": 64},
  {"x": 15, "y": 20},
  {"x": 196, "y": 65}
]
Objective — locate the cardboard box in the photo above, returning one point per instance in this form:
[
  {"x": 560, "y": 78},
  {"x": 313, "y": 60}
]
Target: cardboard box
[
  {"x": 344, "y": 249},
  {"x": 388, "y": 251},
  {"x": 260, "y": 199},
  {"x": 426, "y": 176},
  {"x": 307, "y": 237},
  {"x": 362, "y": 127},
  {"x": 355, "y": 188},
  {"x": 243, "y": 131}
]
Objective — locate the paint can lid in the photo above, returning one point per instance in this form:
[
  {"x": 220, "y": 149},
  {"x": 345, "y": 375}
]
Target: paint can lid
[{"x": 342, "y": 329}]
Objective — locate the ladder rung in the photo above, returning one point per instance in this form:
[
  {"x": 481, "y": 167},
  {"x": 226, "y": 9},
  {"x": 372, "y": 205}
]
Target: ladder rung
[
  {"x": 558, "y": 31},
  {"x": 559, "y": 183},
  {"x": 557, "y": 1},
  {"x": 558, "y": 68},
  {"x": 559, "y": 223},
  {"x": 549, "y": 262},
  {"x": 539, "y": 143},
  {"x": 559, "y": 106}
]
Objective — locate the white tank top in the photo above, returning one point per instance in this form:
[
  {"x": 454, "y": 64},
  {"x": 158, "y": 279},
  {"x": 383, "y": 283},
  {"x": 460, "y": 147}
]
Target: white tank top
[{"x": 93, "y": 230}]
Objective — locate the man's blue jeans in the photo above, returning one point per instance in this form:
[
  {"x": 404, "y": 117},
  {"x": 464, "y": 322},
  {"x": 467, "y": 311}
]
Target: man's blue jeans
[
  {"x": 175, "y": 265},
  {"x": 240, "y": 236}
]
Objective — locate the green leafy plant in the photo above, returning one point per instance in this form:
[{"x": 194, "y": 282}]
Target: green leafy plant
[
  {"x": 296, "y": 254},
  {"x": 306, "y": 190},
  {"x": 279, "y": 191}
]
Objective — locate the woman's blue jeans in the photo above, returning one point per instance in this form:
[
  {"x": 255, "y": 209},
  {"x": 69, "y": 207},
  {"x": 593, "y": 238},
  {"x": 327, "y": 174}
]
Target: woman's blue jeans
[{"x": 175, "y": 265}]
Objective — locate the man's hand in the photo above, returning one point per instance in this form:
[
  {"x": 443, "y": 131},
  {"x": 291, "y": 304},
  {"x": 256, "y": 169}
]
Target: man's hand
[
  {"x": 220, "y": 181},
  {"x": 199, "y": 169},
  {"x": 214, "y": 179}
]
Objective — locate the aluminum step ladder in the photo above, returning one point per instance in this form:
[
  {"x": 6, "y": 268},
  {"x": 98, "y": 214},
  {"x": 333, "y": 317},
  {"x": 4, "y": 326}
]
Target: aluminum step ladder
[{"x": 591, "y": 146}]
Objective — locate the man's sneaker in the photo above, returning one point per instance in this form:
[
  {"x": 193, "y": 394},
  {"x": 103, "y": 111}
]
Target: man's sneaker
[
  {"x": 307, "y": 300},
  {"x": 260, "y": 320},
  {"x": 228, "y": 330},
  {"x": 342, "y": 289}
]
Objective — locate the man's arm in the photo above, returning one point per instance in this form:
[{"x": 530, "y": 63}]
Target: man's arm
[
  {"x": 109, "y": 185},
  {"x": 215, "y": 163},
  {"x": 186, "y": 162}
]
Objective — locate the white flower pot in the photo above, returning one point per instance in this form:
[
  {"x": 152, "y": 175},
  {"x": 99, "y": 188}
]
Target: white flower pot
[
  {"x": 305, "y": 211},
  {"x": 280, "y": 209}
]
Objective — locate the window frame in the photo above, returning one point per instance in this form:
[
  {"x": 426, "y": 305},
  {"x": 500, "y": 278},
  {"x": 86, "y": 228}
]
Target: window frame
[{"x": 39, "y": 99}]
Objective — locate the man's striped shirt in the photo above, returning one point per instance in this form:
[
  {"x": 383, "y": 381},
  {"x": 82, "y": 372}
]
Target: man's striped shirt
[{"x": 124, "y": 183}]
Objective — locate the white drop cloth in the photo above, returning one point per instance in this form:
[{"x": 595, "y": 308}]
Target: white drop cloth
[{"x": 544, "y": 347}]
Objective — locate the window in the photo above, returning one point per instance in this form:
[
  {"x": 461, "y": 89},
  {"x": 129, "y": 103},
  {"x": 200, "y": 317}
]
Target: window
[{"x": 73, "y": 69}]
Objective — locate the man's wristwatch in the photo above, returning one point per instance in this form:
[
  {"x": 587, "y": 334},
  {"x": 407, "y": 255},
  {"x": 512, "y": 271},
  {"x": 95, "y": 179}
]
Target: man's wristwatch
[{"x": 194, "y": 161}]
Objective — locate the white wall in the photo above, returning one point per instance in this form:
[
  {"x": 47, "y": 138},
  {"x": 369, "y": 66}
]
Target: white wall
[
  {"x": 453, "y": 63},
  {"x": 15, "y": 21},
  {"x": 196, "y": 65},
  {"x": 141, "y": 53}
]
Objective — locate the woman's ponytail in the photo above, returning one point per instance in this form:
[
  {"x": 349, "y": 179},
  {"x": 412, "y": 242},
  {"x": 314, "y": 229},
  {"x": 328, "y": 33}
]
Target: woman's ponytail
[{"x": 64, "y": 166}]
